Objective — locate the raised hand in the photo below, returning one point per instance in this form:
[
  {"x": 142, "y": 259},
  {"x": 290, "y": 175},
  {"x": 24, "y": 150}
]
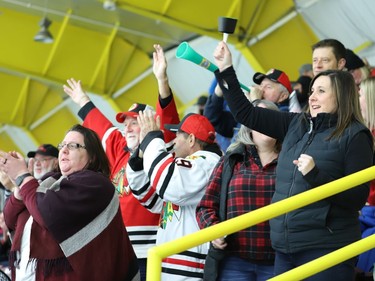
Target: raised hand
[
  {"x": 160, "y": 71},
  {"x": 75, "y": 91},
  {"x": 160, "y": 63},
  {"x": 223, "y": 56}
]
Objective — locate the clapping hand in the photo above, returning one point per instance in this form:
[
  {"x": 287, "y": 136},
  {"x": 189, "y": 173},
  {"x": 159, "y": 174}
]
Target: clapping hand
[{"x": 147, "y": 121}]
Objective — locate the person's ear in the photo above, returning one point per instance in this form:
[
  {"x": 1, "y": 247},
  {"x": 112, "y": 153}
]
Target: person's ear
[
  {"x": 341, "y": 64},
  {"x": 191, "y": 140},
  {"x": 283, "y": 97}
]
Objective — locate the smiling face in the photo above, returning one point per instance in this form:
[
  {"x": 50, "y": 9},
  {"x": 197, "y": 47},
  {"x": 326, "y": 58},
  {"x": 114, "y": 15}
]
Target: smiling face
[
  {"x": 73, "y": 160},
  {"x": 131, "y": 132},
  {"x": 322, "y": 98}
]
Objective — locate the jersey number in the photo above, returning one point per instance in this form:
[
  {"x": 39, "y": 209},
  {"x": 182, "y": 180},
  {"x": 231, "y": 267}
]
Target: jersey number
[{"x": 184, "y": 163}]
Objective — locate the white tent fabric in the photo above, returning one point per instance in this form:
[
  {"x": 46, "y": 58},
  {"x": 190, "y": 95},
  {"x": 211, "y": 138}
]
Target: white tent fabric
[{"x": 350, "y": 22}]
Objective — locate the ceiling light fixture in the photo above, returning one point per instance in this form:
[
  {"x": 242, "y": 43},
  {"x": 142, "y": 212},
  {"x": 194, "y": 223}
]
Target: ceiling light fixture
[
  {"x": 43, "y": 34},
  {"x": 109, "y": 5}
]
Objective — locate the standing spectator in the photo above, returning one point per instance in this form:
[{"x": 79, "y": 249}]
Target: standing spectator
[
  {"x": 367, "y": 102},
  {"x": 201, "y": 102},
  {"x": 303, "y": 84},
  {"x": 43, "y": 160},
  {"x": 140, "y": 224},
  {"x": 366, "y": 260},
  {"x": 356, "y": 66},
  {"x": 328, "y": 142},
  {"x": 5, "y": 242},
  {"x": 273, "y": 86},
  {"x": 179, "y": 179},
  {"x": 69, "y": 226},
  {"x": 306, "y": 70},
  {"x": 328, "y": 54},
  {"x": 251, "y": 184}
]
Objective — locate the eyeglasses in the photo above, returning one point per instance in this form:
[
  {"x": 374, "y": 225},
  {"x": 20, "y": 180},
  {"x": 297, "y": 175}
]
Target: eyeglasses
[{"x": 70, "y": 146}]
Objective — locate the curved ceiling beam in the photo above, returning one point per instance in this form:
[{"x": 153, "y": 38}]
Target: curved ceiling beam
[
  {"x": 285, "y": 19},
  {"x": 24, "y": 74},
  {"x": 253, "y": 20},
  {"x": 105, "y": 55},
  {"x": 174, "y": 22},
  {"x": 89, "y": 21},
  {"x": 21, "y": 101}
]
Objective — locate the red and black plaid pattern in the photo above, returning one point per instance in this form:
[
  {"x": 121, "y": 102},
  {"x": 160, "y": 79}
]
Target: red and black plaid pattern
[{"x": 251, "y": 187}]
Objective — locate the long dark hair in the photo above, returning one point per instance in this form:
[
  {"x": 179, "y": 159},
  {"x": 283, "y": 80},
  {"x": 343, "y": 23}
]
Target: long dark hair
[
  {"x": 98, "y": 160},
  {"x": 347, "y": 99}
]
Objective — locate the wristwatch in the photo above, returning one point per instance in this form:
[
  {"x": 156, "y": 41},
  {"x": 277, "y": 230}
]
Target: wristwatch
[{"x": 19, "y": 180}]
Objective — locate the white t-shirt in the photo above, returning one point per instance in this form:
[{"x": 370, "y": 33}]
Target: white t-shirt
[{"x": 26, "y": 270}]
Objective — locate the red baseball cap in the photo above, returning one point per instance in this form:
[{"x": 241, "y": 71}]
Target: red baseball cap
[
  {"x": 195, "y": 124},
  {"x": 274, "y": 75},
  {"x": 133, "y": 111}
]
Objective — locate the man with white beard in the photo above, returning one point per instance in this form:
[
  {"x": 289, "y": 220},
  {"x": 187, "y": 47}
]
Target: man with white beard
[{"x": 43, "y": 160}]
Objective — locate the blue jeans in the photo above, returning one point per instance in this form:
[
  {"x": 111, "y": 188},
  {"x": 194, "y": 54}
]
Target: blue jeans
[
  {"x": 234, "y": 268},
  {"x": 341, "y": 272}
]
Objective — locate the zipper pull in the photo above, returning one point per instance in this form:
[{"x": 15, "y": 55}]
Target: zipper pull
[{"x": 311, "y": 126}]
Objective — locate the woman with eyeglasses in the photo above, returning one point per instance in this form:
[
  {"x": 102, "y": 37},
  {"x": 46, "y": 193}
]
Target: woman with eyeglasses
[{"x": 69, "y": 226}]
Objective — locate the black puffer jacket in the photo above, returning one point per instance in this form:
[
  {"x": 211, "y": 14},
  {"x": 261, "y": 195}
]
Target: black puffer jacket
[{"x": 331, "y": 222}]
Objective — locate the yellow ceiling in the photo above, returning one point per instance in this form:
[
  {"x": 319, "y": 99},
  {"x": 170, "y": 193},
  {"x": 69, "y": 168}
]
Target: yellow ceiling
[{"x": 110, "y": 52}]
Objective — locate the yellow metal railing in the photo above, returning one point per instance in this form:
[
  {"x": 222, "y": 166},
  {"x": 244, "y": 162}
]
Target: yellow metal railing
[{"x": 157, "y": 253}]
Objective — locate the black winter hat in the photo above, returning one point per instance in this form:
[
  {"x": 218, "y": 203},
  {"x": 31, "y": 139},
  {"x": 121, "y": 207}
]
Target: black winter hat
[{"x": 353, "y": 61}]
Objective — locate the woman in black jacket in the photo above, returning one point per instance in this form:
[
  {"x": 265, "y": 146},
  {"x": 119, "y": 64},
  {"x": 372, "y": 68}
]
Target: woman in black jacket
[{"x": 326, "y": 143}]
